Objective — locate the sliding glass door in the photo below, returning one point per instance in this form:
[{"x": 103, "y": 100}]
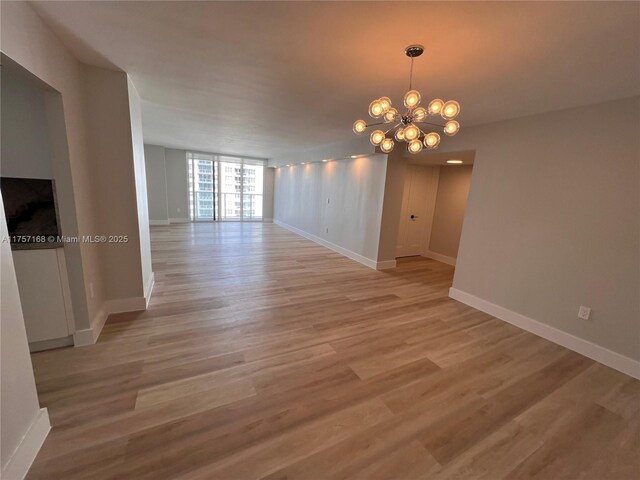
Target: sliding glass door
[
  {"x": 252, "y": 190},
  {"x": 203, "y": 187},
  {"x": 225, "y": 188},
  {"x": 230, "y": 189}
]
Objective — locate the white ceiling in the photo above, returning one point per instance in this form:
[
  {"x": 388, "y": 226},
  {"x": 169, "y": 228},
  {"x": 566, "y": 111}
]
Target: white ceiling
[{"x": 270, "y": 77}]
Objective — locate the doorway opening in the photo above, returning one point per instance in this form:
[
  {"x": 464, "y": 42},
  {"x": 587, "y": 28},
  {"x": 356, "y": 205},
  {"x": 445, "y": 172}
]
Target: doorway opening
[
  {"x": 38, "y": 203},
  {"x": 433, "y": 206}
]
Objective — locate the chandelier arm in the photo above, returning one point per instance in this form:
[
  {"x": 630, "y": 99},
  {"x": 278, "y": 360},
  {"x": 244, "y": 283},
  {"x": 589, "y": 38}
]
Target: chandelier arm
[
  {"x": 432, "y": 124},
  {"x": 392, "y": 128}
]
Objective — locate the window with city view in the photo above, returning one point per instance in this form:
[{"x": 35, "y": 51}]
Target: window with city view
[{"x": 224, "y": 188}]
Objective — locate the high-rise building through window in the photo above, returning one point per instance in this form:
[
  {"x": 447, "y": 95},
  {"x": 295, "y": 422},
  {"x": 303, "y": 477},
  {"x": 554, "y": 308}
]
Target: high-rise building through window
[{"x": 224, "y": 188}]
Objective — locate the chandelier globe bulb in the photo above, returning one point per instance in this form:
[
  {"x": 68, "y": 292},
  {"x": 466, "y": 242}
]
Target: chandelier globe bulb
[
  {"x": 411, "y": 132},
  {"x": 359, "y": 126},
  {"x": 435, "y": 106},
  {"x": 387, "y": 145},
  {"x": 385, "y": 103},
  {"x": 451, "y": 128},
  {"x": 414, "y": 146},
  {"x": 450, "y": 110},
  {"x": 419, "y": 114},
  {"x": 377, "y": 136},
  {"x": 412, "y": 99},
  {"x": 431, "y": 140},
  {"x": 375, "y": 109}
]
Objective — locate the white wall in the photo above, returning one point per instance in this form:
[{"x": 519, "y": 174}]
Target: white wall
[
  {"x": 91, "y": 141},
  {"x": 100, "y": 161},
  {"x": 552, "y": 220},
  {"x": 34, "y": 145},
  {"x": 451, "y": 200},
  {"x": 392, "y": 206},
  {"x": 177, "y": 184},
  {"x": 29, "y": 42},
  {"x": 338, "y": 202},
  {"x": 25, "y": 148},
  {"x": 19, "y": 408},
  {"x": 139, "y": 168},
  {"x": 156, "y": 183},
  {"x": 269, "y": 186},
  {"x": 31, "y": 144},
  {"x": 110, "y": 136}
]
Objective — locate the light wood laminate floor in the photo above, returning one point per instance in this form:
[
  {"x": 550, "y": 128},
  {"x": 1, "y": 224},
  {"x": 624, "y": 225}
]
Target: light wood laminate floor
[{"x": 264, "y": 355}]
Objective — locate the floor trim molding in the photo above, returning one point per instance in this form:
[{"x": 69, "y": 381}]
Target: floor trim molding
[
  {"x": 51, "y": 344},
  {"x": 441, "y": 258},
  {"x": 179, "y": 220},
  {"x": 158, "y": 222},
  {"x": 121, "y": 305},
  {"x": 386, "y": 264},
  {"x": 332, "y": 246},
  {"x": 89, "y": 336},
  {"x": 149, "y": 289},
  {"x": 22, "y": 458},
  {"x": 595, "y": 352}
]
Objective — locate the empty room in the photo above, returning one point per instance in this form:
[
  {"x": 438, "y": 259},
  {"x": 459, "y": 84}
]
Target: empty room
[{"x": 319, "y": 240}]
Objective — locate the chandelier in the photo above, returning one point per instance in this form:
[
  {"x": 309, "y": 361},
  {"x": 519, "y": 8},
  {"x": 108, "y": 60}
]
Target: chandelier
[{"x": 412, "y": 126}]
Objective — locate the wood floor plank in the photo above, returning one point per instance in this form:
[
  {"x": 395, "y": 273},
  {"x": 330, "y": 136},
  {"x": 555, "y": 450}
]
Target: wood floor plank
[
  {"x": 281, "y": 450},
  {"x": 574, "y": 453},
  {"x": 265, "y": 355}
]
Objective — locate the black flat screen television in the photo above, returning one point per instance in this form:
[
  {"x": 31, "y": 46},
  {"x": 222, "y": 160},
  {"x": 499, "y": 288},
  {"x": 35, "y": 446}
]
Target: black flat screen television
[{"x": 30, "y": 208}]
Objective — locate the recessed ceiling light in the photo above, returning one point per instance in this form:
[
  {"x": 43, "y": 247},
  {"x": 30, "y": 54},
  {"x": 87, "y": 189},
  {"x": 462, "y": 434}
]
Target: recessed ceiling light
[
  {"x": 325, "y": 160},
  {"x": 454, "y": 162},
  {"x": 287, "y": 165},
  {"x": 354, "y": 156},
  {"x": 303, "y": 163}
]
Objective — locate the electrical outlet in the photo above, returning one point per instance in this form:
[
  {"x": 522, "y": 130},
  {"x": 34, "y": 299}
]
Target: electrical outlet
[
  {"x": 584, "y": 312},
  {"x": 328, "y": 201},
  {"x": 327, "y": 230},
  {"x": 178, "y": 209}
]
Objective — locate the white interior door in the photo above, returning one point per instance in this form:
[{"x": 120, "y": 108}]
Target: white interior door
[{"x": 418, "y": 204}]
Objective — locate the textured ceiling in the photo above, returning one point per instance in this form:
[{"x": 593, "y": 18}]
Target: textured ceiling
[{"x": 262, "y": 78}]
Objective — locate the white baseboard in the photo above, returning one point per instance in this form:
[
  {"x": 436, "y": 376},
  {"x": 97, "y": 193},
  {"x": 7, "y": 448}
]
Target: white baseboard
[
  {"x": 20, "y": 461},
  {"x": 158, "y": 222},
  {"x": 386, "y": 264},
  {"x": 84, "y": 337},
  {"x": 267, "y": 220},
  {"x": 148, "y": 289},
  {"x": 591, "y": 350},
  {"x": 89, "y": 336},
  {"x": 179, "y": 220},
  {"x": 336, "y": 248},
  {"x": 121, "y": 305},
  {"x": 441, "y": 258},
  {"x": 50, "y": 344}
]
